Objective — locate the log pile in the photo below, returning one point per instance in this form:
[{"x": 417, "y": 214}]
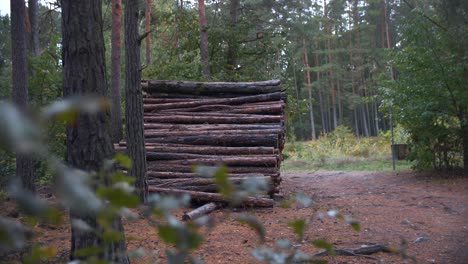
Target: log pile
[{"x": 240, "y": 125}]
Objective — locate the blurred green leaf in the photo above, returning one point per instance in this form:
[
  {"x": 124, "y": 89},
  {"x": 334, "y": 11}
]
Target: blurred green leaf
[
  {"x": 87, "y": 252},
  {"x": 304, "y": 200},
  {"x": 18, "y": 133},
  {"x": 254, "y": 223},
  {"x": 13, "y": 235},
  {"x": 323, "y": 245},
  {"x": 118, "y": 197},
  {"x": 112, "y": 236},
  {"x": 222, "y": 182},
  {"x": 354, "y": 223},
  {"x": 298, "y": 226},
  {"x": 67, "y": 110},
  {"x": 168, "y": 234},
  {"x": 74, "y": 190},
  {"x": 40, "y": 254},
  {"x": 121, "y": 177},
  {"x": 123, "y": 160}
]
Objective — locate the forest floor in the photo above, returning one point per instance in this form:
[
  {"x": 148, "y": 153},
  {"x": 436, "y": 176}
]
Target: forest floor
[{"x": 424, "y": 213}]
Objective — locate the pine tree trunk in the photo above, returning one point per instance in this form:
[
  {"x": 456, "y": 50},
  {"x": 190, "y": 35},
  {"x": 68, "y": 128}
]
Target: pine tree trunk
[
  {"x": 233, "y": 46},
  {"x": 33, "y": 10},
  {"x": 116, "y": 50},
  {"x": 340, "y": 106},
  {"x": 464, "y": 130},
  {"x": 147, "y": 30},
  {"x": 89, "y": 139},
  {"x": 204, "y": 40},
  {"x": 309, "y": 90},
  {"x": 24, "y": 163},
  {"x": 376, "y": 118},
  {"x": 134, "y": 100},
  {"x": 330, "y": 72},
  {"x": 298, "y": 98},
  {"x": 322, "y": 111}
]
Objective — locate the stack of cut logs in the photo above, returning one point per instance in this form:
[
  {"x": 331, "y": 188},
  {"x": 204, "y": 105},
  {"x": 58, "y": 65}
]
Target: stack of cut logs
[{"x": 240, "y": 125}]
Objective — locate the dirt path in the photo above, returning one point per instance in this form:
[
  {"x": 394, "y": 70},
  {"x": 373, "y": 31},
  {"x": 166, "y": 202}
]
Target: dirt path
[{"x": 427, "y": 212}]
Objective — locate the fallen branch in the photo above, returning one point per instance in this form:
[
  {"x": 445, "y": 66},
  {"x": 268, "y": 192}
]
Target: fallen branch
[
  {"x": 200, "y": 211},
  {"x": 363, "y": 251}
]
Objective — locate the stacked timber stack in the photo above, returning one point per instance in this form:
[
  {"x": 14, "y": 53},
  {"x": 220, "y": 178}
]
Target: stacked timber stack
[{"x": 240, "y": 125}]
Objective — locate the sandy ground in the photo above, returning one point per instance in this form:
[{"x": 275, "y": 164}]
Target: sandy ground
[{"x": 424, "y": 213}]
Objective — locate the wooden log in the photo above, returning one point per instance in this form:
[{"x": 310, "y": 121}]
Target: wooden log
[
  {"x": 207, "y": 114},
  {"x": 224, "y": 101},
  {"x": 259, "y": 161},
  {"x": 214, "y": 197},
  {"x": 162, "y": 166},
  {"x": 151, "y": 174},
  {"x": 200, "y": 211},
  {"x": 269, "y": 159},
  {"x": 151, "y": 100},
  {"x": 268, "y": 140},
  {"x": 211, "y": 88},
  {"x": 204, "y": 127},
  {"x": 163, "y": 134},
  {"x": 271, "y": 108},
  {"x": 200, "y": 181},
  {"x": 232, "y": 119},
  {"x": 204, "y": 150}
]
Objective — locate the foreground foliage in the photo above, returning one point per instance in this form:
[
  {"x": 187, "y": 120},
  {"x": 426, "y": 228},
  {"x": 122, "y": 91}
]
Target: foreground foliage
[{"x": 86, "y": 192}]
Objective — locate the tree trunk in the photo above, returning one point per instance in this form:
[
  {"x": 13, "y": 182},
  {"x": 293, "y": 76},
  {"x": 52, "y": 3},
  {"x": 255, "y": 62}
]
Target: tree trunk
[
  {"x": 309, "y": 90},
  {"x": 24, "y": 163},
  {"x": 33, "y": 10},
  {"x": 233, "y": 46},
  {"x": 322, "y": 110},
  {"x": 340, "y": 106},
  {"x": 134, "y": 100},
  {"x": 464, "y": 130},
  {"x": 116, "y": 50},
  {"x": 147, "y": 30},
  {"x": 89, "y": 139},
  {"x": 330, "y": 72},
  {"x": 204, "y": 40},
  {"x": 299, "y": 134}
]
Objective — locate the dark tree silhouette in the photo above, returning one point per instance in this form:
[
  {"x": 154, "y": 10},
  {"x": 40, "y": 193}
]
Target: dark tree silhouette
[
  {"x": 134, "y": 100},
  {"x": 24, "y": 163},
  {"x": 116, "y": 51},
  {"x": 89, "y": 138}
]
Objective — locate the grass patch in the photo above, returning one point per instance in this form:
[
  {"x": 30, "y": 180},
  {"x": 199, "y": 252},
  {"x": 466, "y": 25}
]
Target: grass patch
[{"x": 341, "y": 150}]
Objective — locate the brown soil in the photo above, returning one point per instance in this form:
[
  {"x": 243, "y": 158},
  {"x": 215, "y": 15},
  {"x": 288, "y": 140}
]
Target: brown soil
[{"x": 426, "y": 213}]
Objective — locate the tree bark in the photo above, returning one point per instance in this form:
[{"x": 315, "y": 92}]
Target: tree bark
[
  {"x": 148, "y": 30},
  {"x": 134, "y": 100},
  {"x": 89, "y": 139},
  {"x": 226, "y": 101},
  {"x": 188, "y": 119},
  {"x": 209, "y": 150},
  {"x": 319, "y": 90},
  {"x": 208, "y": 127},
  {"x": 464, "y": 130},
  {"x": 208, "y": 88},
  {"x": 33, "y": 10},
  {"x": 24, "y": 163},
  {"x": 161, "y": 166},
  {"x": 309, "y": 90},
  {"x": 116, "y": 50},
  {"x": 205, "y": 60},
  {"x": 233, "y": 46},
  {"x": 269, "y": 140}
]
